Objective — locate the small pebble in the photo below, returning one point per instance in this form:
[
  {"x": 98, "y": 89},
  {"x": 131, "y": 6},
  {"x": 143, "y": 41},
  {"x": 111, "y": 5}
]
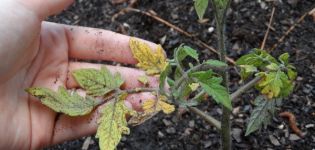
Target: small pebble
[
  {"x": 191, "y": 123},
  {"x": 171, "y": 130},
  {"x": 166, "y": 122},
  {"x": 309, "y": 126},
  {"x": 294, "y": 137},
  {"x": 160, "y": 134},
  {"x": 281, "y": 127},
  {"x": 210, "y": 29},
  {"x": 274, "y": 140}
]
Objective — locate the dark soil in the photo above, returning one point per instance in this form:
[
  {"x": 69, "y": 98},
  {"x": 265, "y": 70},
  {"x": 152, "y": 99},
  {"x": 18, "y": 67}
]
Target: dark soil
[{"x": 247, "y": 23}]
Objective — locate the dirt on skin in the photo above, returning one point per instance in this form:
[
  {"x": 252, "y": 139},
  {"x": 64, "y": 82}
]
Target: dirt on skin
[{"x": 246, "y": 26}]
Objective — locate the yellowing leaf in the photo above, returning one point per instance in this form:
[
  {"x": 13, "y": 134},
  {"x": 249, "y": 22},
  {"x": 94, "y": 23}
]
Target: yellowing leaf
[
  {"x": 140, "y": 118},
  {"x": 62, "y": 101},
  {"x": 273, "y": 83},
  {"x": 151, "y": 106},
  {"x": 97, "y": 82},
  {"x": 143, "y": 79},
  {"x": 112, "y": 125},
  {"x": 194, "y": 86},
  {"x": 152, "y": 62},
  {"x": 166, "y": 108}
]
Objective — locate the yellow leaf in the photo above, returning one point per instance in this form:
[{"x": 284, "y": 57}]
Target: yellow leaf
[
  {"x": 152, "y": 62},
  {"x": 151, "y": 106},
  {"x": 194, "y": 86},
  {"x": 167, "y": 108},
  {"x": 113, "y": 124},
  {"x": 143, "y": 79}
]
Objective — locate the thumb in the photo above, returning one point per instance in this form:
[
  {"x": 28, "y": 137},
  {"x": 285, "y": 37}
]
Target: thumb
[{"x": 45, "y": 8}]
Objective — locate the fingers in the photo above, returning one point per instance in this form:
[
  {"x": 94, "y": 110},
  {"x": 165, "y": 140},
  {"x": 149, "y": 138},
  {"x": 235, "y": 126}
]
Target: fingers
[
  {"x": 69, "y": 128},
  {"x": 97, "y": 44},
  {"x": 129, "y": 75},
  {"x": 46, "y": 8}
]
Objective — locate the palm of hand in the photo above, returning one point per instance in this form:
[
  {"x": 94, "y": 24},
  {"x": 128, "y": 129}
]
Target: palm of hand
[{"x": 43, "y": 61}]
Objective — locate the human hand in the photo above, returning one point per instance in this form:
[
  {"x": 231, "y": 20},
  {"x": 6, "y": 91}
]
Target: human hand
[{"x": 38, "y": 54}]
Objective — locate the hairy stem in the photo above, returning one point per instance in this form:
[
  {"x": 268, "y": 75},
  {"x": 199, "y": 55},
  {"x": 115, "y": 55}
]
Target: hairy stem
[
  {"x": 220, "y": 16},
  {"x": 209, "y": 119},
  {"x": 244, "y": 88}
]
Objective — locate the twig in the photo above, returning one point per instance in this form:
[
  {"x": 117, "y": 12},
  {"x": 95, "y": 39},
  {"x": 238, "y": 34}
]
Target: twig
[
  {"x": 292, "y": 123},
  {"x": 244, "y": 88},
  {"x": 212, "y": 121},
  {"x": 159, "y": 19},
  {"x": 268, "y": 29},
  {"x": 289, "y": 31}
]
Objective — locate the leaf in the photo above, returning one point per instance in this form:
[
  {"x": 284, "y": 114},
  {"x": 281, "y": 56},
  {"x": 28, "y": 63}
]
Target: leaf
[
  {"x": 143, "y": 79},
  {"x": 272, "y": 83},
  {"x": 202, "y": 75},
  {"x": 163, "y": 76},
  {"x": 152, "y": 62},
  {"x": 201, "y": 7},
  {"x": 284, "y": 58},
  {"x": 97, "y": 82},
  {"x": 151, "y": 106},
  {"x": 63, "y": 102},
  {"x": 212, "y": 85},
  {"x": 194, "y": 86},
  {"x": 257, "y": 58},
  {"x": 273, "y": 67},
  {"x": 140, "y": 118},
  {"x": 262, "y": 114},
  {"x": 222, "y": 4},
  {"x": 218, "y": 92},
  {"x": 216, "y": 63},
  {"x": 112, "y": 125},
  {"x": 291, "y": 74},
  {"x": 247, "y": 70},
  {"x": 183, "y": 51}
]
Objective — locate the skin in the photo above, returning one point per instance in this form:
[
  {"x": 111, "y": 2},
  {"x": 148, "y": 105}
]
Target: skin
[{"x": 34, "y": 53}]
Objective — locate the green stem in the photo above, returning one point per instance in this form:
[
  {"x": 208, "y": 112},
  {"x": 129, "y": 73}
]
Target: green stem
[{"x": 220, "y": 15}]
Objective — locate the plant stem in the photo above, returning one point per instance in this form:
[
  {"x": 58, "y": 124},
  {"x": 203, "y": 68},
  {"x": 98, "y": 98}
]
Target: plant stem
[
  {"x": 129, "y": 91},
  {"x": 212, "y": 121},
  {"x": 220, "y": 16},
  {"x": 244, "y": 88}
]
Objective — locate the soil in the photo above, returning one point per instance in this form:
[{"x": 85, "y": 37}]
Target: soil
[{"x": 246, "y": 26}]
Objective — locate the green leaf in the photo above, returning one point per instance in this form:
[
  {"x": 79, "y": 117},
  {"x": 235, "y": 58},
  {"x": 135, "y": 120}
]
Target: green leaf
[
  {"x": 201, "y": 7},
  {"x": 272, "y": 83},
  {"x": 216, "y": 63},
  {"x": 212, "y": 85},
  {"x": 163, "y": 76},
  {"x": 97, "y": 82},
  {"x": 222, "y": 4},
  {"x": 262, "y": 114},
  {"x": 218, "y": 92},
  {"x": 257, "y": 58},
  {"x": 183, "y": 51},
  {"x": 284, "y": 58},
  {"x": 292, "y": 74},
  {"x": 273, "y": 67},
  {"x": 112, "y": 125},
  {"x": 202, "y": 75},
  {"x": 63, "y": 102},
  {"x": 247, "y": 70},
  {"x": 177, "y": 74},
  {"x": 287, "y": 89}
]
